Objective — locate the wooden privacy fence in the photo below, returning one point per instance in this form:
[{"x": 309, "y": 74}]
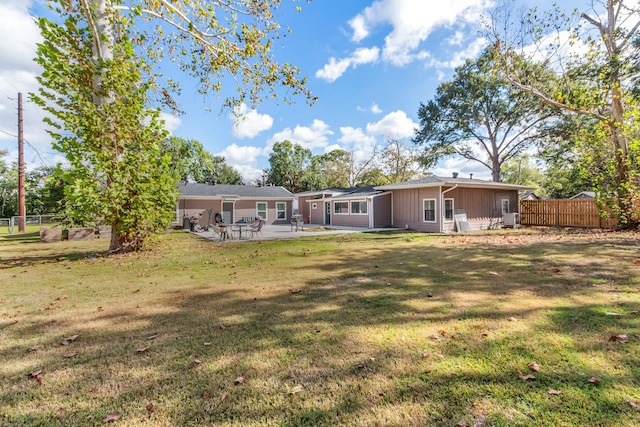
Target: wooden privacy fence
[{"x": 564, "y": 213}]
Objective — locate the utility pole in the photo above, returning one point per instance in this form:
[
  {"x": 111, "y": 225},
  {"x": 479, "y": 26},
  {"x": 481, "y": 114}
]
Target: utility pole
[{"x": 22, "y": 213}]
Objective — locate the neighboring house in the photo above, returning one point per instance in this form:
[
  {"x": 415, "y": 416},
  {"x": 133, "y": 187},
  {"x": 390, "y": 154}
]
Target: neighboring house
[
  {"x": 430, "y": 203},
  {"x": 529, "y": 195},
  {"x": 584, "y": 195},
  {"x": 234, "y": 202},
  {"x": 364, "y": 207}
]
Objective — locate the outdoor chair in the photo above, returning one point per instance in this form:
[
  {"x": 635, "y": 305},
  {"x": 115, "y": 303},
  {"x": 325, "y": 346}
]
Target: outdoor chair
[
  {"x": 220, "y": 232},
  {"x": 257, "y": 228}
]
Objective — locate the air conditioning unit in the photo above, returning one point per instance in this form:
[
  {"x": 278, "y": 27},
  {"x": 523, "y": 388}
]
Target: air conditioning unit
[{"x": 511, "y": 220}]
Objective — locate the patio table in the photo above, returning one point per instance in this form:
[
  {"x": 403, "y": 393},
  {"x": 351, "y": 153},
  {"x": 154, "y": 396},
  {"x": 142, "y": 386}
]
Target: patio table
[{"x": 240, "y": 226}]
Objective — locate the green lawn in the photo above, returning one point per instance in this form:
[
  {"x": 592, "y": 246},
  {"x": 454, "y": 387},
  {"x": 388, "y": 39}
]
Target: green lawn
[{"x": 388, "y": 329}]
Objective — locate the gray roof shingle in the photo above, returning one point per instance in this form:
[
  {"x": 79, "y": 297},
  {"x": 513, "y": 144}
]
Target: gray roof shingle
[{"x": 241, "y": 191}]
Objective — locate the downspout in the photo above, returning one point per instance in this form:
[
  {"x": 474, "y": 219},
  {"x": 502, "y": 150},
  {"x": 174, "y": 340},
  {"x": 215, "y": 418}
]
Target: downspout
[{"x": 442, "y": 205}]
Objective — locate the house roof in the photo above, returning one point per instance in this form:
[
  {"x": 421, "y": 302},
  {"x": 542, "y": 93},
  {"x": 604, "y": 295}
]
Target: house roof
[
  {"x": 342, "y": 193},
  {"x": 584, "y": 195},
  {"x": 218, "y": 191},
  {"x": 439, "y": 181}
]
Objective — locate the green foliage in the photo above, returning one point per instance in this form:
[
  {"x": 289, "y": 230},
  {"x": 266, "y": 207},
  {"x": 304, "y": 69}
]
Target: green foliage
[
  {"x": 522, "y": 171},
  {"x": 596, "y": 79},
  {"x": 480, "y": 117},
  {"x": 97, "y": 111},
  {"x": 191, "y": 162},
  {"x": 289, "y": 164}
]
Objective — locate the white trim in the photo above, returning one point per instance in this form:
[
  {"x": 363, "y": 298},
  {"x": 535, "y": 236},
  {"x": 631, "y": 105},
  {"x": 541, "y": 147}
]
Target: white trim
[
  {"x": 435, "y": 209},
  {"x": 358, "y": 213},
  {"x": 284, "y": 210},
  {"x": 266, "y": 210},
  {"x": 479, "y": 184},
  {"x": 444, "y": 217},
  {"x": 333, "y": 208},
  {"x": 502, "y": 206}
]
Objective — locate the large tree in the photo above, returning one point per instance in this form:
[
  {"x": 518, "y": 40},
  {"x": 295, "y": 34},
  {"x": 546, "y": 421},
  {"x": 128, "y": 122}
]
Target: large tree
[
  {"x": 100, "y": 77},
  {"x": 191, "y": 162},
  {"x": 479, "y": 116},
  {"x": 594, "y": 54},
  {"x": 289, "y": 164}
]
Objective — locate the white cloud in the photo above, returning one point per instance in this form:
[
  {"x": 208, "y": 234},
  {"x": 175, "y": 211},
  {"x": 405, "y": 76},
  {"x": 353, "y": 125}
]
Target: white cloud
[
  {"x": 394, "y": 125},
  {"x": 472, "y": 50},
  {"x": 412, "y": 22},
  {"x": 314, "y": 136},
  {"x": 336, "y": 67},
  {"x": 352, "y": 135},
  {"x": 244, "y": 159},
  {"x": 464, "y": 168},
  {"x": 171, "y": 122},
  {"x": 248, "y": 123},
  {"x": 19, "y": 34},
  {"x": 375, "y": 109}
]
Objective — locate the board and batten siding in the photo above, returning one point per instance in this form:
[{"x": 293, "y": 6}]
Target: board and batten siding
[
  {"x": 482, "y": 207},
  {"x": 382, "y": 211}
]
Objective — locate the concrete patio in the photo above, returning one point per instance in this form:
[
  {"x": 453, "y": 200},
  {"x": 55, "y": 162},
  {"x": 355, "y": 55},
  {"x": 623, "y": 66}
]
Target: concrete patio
[{"x": 285, "y": 231}]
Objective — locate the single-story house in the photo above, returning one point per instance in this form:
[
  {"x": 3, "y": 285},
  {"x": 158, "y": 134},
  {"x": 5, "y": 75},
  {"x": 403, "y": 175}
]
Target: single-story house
[
  {"x": 584, "y": 195},
  {"x": 364, "y": 207},
  {"x": 430, "y": 204},
  {"x": 234, "y": 202}
]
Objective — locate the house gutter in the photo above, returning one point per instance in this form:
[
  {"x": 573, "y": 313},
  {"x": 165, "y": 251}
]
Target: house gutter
[{"x": 442, "y": 205}]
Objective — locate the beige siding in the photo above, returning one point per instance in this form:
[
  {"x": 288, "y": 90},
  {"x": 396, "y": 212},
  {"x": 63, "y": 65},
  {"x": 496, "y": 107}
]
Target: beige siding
[
  {"x": 482, "y": 207},
  {"x": 382, "y": 211},
  {"x": 242, "y": 208},
  {"x": 350, "y": 220},
  {"x": 317, "y": 214}
]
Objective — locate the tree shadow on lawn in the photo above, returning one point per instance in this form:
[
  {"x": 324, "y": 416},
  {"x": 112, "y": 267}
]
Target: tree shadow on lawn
[{"x": 354, "y": 337}]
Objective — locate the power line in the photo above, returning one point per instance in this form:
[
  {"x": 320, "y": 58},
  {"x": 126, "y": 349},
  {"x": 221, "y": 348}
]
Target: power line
[{"x": 7, "y": 133}]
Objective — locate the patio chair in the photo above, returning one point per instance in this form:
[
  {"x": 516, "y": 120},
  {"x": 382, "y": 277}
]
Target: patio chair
[
  {"x": 220, "y": 232},
  {"x": 257, "y": 228}
]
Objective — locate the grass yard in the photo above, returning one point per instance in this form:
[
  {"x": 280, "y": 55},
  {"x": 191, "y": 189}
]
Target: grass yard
[{"x": 388, "y": 329}]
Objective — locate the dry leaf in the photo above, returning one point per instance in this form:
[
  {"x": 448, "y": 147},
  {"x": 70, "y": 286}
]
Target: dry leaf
[
  {"x": 223, "y": 397},
  {"x": 533, "y": 366},
  {"x": 70, "y": 354},
  {"x": 62, "y": 297},
  {"x": 554, "y": 392},
  {"x": 153, "y": 337},
  {"x": 295, "y": 291},
  {"x": 115, "y": 416},
  {"x": 634, "y": 403},
  {"x": 426, "y": 355},
  {"x": 619, "y": 338},
  {"x": 207, "y": 343},
  {"x": 33, "y": 348},
  {"x": 513, "y": 319},
  {"x": 429, "y": 295},
  {"x": 37, "y": 376},
  {"x": 525, "y": 377},
  {"x": 197, "y": 361},
  {"x": 141, "y": 349},
  {"x": 295, "y": 389},
  {"x": 493, "y": 273},
  {"x": 239, "y": 380},
  {"x": 150, "y": 408},
  {"x": 462, "y": 423},
  {"x": 100, "y": 308},
  {"x": 636, "y": 261},
  {"x": 594, "y": 380},
  {"x": 223, "y": 327},
  {"x": 70, "y": 339}
]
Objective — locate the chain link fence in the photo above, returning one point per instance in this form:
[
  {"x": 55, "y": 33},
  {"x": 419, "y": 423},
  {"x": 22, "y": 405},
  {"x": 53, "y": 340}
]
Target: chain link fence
[{"x": 30, "y": 222}]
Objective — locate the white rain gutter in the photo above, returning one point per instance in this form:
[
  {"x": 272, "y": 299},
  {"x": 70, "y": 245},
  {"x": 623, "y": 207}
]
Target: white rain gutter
[{"x": 442, "y": 205}]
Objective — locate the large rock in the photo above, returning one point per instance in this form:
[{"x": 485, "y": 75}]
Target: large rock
[
  {"x": 50, "y": 234},
  {"x": 87, "y": 233}
]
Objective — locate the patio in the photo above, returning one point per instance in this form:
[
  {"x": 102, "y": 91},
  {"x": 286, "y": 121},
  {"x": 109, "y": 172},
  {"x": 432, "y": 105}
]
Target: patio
[{"x": 284, "y": 231}]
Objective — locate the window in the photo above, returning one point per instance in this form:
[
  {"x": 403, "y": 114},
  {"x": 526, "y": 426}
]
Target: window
[
  {"x": 341, "y": 207},
  {"x": 448, "y": 209},
  {"x": 281, "y": 210},
  {"x": 359, "y": 207},
  {"x": 261, "y": 210},
  {"x": 505, "y": 206},
  {"x": 430, "y": 210}
]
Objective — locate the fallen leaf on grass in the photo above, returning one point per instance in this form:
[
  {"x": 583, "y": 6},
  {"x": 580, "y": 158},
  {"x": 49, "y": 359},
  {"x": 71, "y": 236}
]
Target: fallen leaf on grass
[
  {"x": 197, "y": 361},
  {"x": 62, "y": 297},
  {"x": 153, "y": 337},
  {"x": 37, "y": 375},
  {"x": 295, "y": 389},
  {"x": 33, "y": 348},
  {"x": 554, "y": 392},
  {"x": 70, "y": 354},
  {"x": 115, "y": 416},
  {"x": 150, "y": 408},
  {"x": 525, "y": 377},
  {"x": 619, "y": 338},
  {"x": 634, "y": 403},
  {"x": 239, "y": 380},
  {"x": 513, "y": 319},
  {"x": 68, "y": 340},
  {"x": 533, "y": 366},
  {"x": 295, "y": 291},
  {"x": 594, "y": 380},
  {"x": 141, "y": 349},
  {"x": 462, "y": 423},
  {"x": 493, "y": 273},
  {"x": 208, "y": 343},
  {"x": 636, "y": 261},
  {"x": 100, "y": 308},
  {"x": 223, "y": 327}
]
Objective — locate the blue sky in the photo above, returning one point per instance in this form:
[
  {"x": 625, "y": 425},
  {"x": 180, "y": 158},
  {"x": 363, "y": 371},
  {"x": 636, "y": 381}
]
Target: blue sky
[{"x": 370, "y": 63}]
